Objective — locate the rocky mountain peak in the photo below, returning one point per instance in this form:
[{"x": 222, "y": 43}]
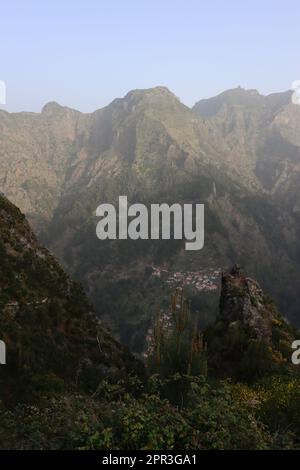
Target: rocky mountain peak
[
  {"x": 52, "y": 107},
  {"x": 235, "y": 97},
  {"x": 248, "y": 100},
  {"x": 155, "y": 91},
  {"x": 154, "y": 98}
]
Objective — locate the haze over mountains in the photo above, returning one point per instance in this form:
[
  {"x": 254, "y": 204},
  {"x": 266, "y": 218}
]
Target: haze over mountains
[{"x": 239, "y": 153}]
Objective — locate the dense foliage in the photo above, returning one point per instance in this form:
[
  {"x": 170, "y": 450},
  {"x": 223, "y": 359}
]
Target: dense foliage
[
  {"x": 179, "y": 405},
  {"x": 219, "y": 415},
  {"x": 69, "y": 385}
]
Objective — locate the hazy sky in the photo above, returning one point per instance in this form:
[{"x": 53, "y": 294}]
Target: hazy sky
[{"x": 83, "y": 54}]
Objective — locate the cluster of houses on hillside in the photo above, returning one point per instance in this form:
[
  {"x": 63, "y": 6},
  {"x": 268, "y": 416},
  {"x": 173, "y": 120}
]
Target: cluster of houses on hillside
[{"x": 204, "y": 280}]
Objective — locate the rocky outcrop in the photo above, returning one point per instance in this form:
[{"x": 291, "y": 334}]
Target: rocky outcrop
[
  {"x": 243, "y": 303},
  {"x": 250, "y": 338}
]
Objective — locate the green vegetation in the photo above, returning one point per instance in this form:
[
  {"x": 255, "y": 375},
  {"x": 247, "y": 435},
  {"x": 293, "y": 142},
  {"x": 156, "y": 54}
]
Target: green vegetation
[
  {"x": 135, "y": 415},
  {"x": 179, "y": 405},
  {"x": 69, "y": 385},
  {"x": 53, "y": 339}
]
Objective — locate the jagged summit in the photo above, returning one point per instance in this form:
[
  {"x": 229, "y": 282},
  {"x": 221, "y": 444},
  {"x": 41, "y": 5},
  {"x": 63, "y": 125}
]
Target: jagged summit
[
  {"x": 234, "y": 97},
  {"x": 52, "y": 107},
  {"x": 158, "y": 90},
  {"x": 154, "y": 98},
  {"x": 248, "y": 99}
]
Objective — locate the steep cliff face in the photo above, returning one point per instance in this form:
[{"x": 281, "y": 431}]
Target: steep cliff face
[
  {"x": 243, "y": 303},
  {"x": 250, "y": 338},
  {"x": 53, "y": 339},
  {"x": 35, "y": 151},
  {"x": 48, "y": 157},
  {"x": 263, "y": 135}
]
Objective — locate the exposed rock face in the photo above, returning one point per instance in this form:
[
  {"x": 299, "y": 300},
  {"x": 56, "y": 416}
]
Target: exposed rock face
[
  {"x": 243, "y": 302},
  {"x": 52, "y": 336},
  {"x": 263, "y": 133},
  {"x": 249, "y": 339}
]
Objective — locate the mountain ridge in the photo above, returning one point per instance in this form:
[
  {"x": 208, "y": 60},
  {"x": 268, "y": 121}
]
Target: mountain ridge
[
  {"x": 53, "y": 339},
  {"x": 242, "y": 163}
]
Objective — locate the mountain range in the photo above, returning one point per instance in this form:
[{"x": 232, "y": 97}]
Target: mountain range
[{"x": 238, "y": 153}]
